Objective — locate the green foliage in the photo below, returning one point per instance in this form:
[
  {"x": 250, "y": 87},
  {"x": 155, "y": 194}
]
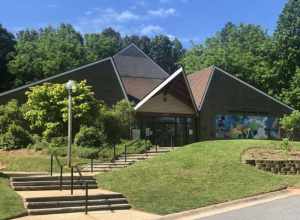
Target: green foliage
[
  {"x": 88, "y": 153},
  {"x": 7, "y": 43},
  {"x": 117, "y": 121},
  {"x": 46, "y": 52},
  {"x": 166, "y": 52},
  {"x": 46, "y": 108},
  {"x": 9, "y": 114},
  {"x": 16, "y": 137},
  {"x": 89, "y": 137},
  {"x": 285, "y": 145},
  {"x": 290, "y": 123}
]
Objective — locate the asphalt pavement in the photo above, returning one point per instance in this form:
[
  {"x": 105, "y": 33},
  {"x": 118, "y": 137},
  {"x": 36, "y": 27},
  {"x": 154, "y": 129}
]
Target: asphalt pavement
[{"x": 280, "y": 209}]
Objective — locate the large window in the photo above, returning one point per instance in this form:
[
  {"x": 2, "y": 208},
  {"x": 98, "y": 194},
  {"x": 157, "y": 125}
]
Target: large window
[
  {"x": 167, "y": 131},
  {"x": 247, "y": 126}
]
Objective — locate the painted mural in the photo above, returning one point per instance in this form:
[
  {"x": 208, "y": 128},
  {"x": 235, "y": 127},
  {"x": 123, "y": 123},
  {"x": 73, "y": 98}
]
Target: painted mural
[{"x": 247, "y": 126}]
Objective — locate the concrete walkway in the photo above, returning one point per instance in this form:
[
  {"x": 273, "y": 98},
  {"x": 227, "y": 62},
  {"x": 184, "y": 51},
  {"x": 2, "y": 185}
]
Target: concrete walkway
[{"x": 104, "y": 215}]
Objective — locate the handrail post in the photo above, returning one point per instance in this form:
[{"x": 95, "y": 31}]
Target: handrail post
[
  {"x": 125, "y": 153},
  {"x": 114, "y": 159},
  {"x": 60, "y": 178},
  {"x": 51, "y": 165},
  {"x": 92, "y": 165},
  {"x": 86, "y": 197},
  {"x": 72, "y": 180}
]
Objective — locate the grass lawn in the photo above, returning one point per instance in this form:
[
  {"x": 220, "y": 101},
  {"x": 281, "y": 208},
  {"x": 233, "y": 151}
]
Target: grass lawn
[
  {"x": 197, "y": 175},
  {"x": 29, "y": 160},
  {"x": 10, "y": 203}
]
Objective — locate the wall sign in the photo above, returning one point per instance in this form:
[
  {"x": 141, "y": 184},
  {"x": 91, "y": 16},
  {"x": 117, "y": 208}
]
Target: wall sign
[{"x": 247, "y": 126}]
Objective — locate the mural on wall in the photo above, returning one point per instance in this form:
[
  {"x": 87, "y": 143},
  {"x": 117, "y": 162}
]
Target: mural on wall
[{"x": 247, "y": 126}]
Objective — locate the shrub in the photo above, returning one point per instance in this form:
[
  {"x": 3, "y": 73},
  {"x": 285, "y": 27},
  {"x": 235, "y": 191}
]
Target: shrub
[
  {"x": 58, "y": 146},
  {"x": 88, "y": 153},
  {"x": 38, "y": 143},
  {"x": 89, "y": 137},
  {"x": 16, "y": 137}
]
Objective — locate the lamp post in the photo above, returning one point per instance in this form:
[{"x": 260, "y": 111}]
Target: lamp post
[{"x": 70, "y": 86}]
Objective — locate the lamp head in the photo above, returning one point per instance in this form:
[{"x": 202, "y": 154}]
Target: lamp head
[{"x": 71, "y": 85}]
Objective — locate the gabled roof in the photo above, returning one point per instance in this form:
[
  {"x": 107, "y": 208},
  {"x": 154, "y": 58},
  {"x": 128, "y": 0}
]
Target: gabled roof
[
  {"x": 94, "y": 73},
  {"x": 133, "y": 62},
  {"x": 200, "y": 83},
  {"x": 164, "y": 84},
  {"x": 139, "y": 73}
]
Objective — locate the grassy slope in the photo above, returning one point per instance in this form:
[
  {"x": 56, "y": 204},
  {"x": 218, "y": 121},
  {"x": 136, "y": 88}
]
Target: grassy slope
[
  {"x": 198, "y": 175},
  {"x": 30, "y": 161},
  {"x": 10, "y": 203}
]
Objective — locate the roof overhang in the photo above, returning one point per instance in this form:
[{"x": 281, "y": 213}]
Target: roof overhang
[{"x": 163, "y": 85}]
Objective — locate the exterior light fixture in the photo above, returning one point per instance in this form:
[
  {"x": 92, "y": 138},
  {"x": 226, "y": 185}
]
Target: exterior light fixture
[{"x": 70, "y": 86}]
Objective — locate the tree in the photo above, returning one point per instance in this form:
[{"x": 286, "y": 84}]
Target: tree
[
  {"x": 11, "y": 113},
  {"x": 99, "y": 46},
  {"x": 7, "y": 43},
  {"x": 166, "y": 52},
  {"x": 143, "y": 42},
  {"x": 242, "y": 50},
  {"x": 46, "y": 108},
  {"x": 43, "y": 53},
  {"x": 287, "y": 51},
  {"x": 290, "y": 123}
]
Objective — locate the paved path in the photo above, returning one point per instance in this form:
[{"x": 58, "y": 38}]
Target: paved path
[
  {"x": 104, "y": 215},
  {"x": 281, "y": 209}
]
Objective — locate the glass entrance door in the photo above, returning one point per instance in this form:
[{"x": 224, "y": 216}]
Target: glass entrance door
[{"x": 165, "y": 133}]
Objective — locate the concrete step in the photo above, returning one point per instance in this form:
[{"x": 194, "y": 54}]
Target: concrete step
[
  {"x": 78, "y": 209},
  {"x": 74, "y": 198},
  {"x": 53, "y": 187},
  {"x": 47, "y": 178},
  {"x": 77, "y": 203},
  {"x": 50, "y": 183}
]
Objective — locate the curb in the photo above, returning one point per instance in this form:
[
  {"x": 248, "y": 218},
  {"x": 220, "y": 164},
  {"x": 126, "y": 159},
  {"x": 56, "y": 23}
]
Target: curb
[{"x": 189, "y": 213}]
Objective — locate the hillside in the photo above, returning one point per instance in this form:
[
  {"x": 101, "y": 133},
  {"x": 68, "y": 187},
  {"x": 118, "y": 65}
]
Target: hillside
[{"x": 197, "y": 175}]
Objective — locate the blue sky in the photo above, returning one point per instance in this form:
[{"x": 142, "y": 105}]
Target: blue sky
[{"x": 188, "y": 20}]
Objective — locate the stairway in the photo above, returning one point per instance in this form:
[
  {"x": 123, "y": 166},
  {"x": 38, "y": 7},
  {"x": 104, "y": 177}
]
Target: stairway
[
  {"x": 123, "y": 161},
  {"x": 67, "y": 204},
  {"x": 34, "y": 183}
]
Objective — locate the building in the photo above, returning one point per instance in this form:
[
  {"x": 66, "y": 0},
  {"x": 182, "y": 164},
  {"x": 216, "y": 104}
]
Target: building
[{"x": 175, "y": 109}]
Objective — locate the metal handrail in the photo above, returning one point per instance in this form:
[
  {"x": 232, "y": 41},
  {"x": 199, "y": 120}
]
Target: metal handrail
[
  {"x": 82, "y": 182},
  {"x": 61, "y": 169}
]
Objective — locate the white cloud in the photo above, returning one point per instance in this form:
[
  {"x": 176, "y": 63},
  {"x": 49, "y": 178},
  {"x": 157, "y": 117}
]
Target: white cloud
[
  {"x": 161, "y": 12},
  {"x": 151, "y": 29},
  {"x": 126, "y": 16}
]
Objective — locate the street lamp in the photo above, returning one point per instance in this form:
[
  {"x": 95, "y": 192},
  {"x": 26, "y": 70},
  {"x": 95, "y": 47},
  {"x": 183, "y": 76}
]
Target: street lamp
[{"x": 70, "y": 86}]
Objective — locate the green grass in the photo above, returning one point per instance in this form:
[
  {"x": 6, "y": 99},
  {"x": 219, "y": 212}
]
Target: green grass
[
  {"x": 10, "y": 203},
  {"x": 31, "y": 161},
  {"x": 197, "y": 175}
]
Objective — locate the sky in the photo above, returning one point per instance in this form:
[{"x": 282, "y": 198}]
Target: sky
[{"x": 187, "y": 20}]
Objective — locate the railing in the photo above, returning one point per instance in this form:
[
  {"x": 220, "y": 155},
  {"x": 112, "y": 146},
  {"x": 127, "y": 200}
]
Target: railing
[
  {"x": 82, "y": 182},
  {"x": 54, "y": 155}
]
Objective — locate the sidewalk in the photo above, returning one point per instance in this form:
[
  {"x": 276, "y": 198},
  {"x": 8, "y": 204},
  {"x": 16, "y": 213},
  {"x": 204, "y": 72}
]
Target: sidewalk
[{"x": 105, "y": 215}]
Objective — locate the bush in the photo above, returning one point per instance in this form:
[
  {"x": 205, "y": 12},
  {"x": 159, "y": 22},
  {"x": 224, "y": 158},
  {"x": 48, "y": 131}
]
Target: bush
[
  {"x": 88, "y": 153},
  {"x": 58, "y": 146},
  {"x": 16, "y": 137},
  {"x": 38, "y": 143},
  {"x": 89, "y": 137}
]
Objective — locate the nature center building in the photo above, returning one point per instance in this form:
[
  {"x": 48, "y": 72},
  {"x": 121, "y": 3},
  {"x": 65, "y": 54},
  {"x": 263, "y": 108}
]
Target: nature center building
[{"x": 176, "y": 109}]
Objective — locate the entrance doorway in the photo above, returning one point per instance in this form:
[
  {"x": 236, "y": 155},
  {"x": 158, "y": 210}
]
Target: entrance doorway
[{"x": 168, "y": 131}]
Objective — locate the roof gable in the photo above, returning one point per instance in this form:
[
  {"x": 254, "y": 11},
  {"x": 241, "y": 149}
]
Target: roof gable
[
  {"x": 199, "y": 82},
  {"x": 133, "y": 62},
  {"x": 177, "y": 84}
]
